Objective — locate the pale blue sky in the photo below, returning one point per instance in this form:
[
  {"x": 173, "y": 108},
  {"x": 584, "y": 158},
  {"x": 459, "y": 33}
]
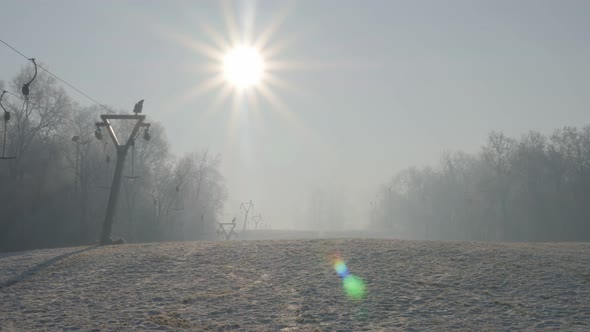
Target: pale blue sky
[{"x": 379, "y": 86}]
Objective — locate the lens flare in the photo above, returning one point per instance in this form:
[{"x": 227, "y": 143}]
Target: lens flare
[
  {"x": 341, "y": 269},
  {"x": 354, "y": 287}
]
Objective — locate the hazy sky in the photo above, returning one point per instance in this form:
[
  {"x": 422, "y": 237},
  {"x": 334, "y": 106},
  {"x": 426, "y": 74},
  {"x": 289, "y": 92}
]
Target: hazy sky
[{"x": 366, "y": 87}]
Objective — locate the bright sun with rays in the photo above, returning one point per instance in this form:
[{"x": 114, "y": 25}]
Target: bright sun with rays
[
  {"x": 243, "y": 67},
  {"x": 240, "y": 64}
]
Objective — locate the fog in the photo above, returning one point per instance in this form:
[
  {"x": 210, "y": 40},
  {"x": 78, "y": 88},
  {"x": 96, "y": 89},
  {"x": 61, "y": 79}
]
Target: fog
[{"x": 454, "y": 120}]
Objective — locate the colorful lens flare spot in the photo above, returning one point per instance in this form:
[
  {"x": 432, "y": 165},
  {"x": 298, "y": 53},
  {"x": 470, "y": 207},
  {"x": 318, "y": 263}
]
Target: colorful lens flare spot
[
  {"x": 354, "y": 287},
  {"x": 341, "y": 269}
]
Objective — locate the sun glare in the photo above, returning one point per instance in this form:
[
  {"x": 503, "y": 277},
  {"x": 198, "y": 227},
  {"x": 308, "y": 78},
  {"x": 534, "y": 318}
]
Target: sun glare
[
  {"x": 242, "y": 64},
  {"x": 243, "y": 67},
  {"x": 240, "y": 68}
]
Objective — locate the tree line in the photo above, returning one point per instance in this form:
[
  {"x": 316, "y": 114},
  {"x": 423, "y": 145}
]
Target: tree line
[
  {"x": 54, "y": 193},
  {"x": 536, "y": 188}
]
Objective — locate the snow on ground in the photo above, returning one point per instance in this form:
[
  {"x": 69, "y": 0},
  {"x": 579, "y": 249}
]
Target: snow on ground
[{"x": 290, "y": 286}]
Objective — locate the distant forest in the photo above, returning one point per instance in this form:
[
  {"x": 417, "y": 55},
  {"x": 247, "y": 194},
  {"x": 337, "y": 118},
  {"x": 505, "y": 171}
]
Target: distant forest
[
  {"x": 54, "y": 192},
  {"x": 536, "y": 188}
]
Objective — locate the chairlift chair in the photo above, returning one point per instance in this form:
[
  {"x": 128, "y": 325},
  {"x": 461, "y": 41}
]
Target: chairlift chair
[
  {"x": 132, "y": 176},
  {"x": 25, "y": 91},
  {"x": 106, "y": 168},
  {"x": 6, "y": 118}
]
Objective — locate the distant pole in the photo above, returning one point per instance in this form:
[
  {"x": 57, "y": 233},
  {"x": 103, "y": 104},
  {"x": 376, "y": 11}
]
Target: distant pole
[
  {"x": 390, "y": 203},
  {"x": 246, "y": 206},
  {"x": 257, "y": 220},
  {"x": 76, "y": 139}
]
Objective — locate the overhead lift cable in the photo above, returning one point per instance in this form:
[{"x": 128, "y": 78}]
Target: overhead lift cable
[{"x": 57, "y": 77}]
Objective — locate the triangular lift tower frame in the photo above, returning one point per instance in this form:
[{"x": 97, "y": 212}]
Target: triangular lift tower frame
[{"x": 121, "y": 149}]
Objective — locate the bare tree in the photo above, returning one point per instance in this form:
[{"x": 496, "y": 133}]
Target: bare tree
[{"x": 39, "y": 118}]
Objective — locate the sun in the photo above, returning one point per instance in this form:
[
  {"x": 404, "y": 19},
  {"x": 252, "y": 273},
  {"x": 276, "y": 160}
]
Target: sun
[{"x": 243, "y": 67}]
